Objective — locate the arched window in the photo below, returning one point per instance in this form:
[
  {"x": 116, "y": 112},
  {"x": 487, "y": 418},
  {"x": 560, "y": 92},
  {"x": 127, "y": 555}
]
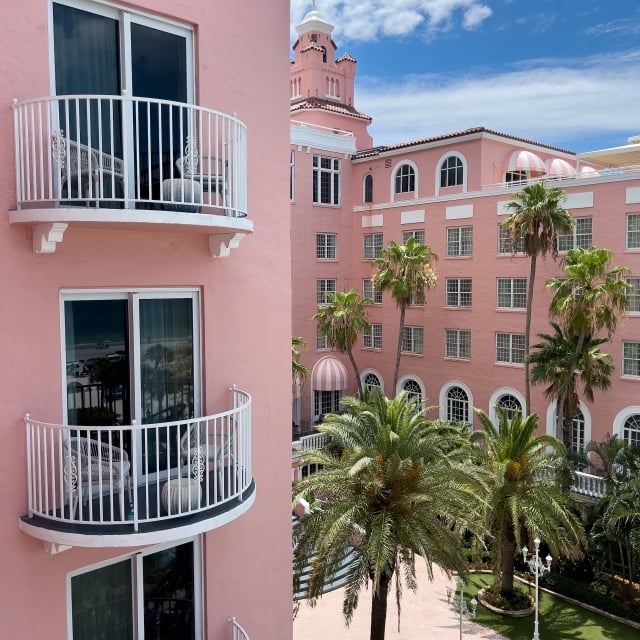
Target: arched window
[
  {"x": 324, "y": 54},
  {"x": 451, "y": 172},
  {"x": 371, "y": 380},
  {"x": 368, "y": 188},
  {"x": 631, "y": 430},
  {"x": 457, "y": 405},
  {"x": 510, "y": 404},
  {"x": 405, "y": 179},
  {"x": 413, "y": 389}
]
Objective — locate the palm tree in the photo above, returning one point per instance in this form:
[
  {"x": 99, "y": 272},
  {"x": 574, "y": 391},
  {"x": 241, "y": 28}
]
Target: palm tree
[
  {"x": 611, "y": 457},
  {"x": 537, "y": 217},
  {"x": 405, "y": 270},
  {"x": 299, "y": 372},
  {"x": 401, "y": 486},
  {"x": 523, "y": 496},
  {"x": 341, "y": 320},
  {"x": 558, "y": 361}
]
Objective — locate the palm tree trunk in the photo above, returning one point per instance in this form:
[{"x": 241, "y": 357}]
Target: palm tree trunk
[
  {"x": 507, "y": 561},
  {"x": 527, "y": 333},
  {"x": 379, "y": 608},
  {"x": 356, "y": 371},
  {"x": 399, "y": 352}
]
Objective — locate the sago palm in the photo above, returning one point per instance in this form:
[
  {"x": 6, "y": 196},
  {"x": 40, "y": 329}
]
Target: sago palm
[{"x": 401, "y": 486}]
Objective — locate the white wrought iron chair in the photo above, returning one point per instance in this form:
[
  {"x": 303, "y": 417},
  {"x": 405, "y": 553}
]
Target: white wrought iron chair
[{"x": 209, "y": 171}]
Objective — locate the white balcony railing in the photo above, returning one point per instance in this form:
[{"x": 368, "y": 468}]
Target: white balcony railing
[
  {"x": 237, "y": 632},
  {"x": 586, "y": 484},
  {"x": 117, "y": 475},
  {"x": 129, "y": 153}
]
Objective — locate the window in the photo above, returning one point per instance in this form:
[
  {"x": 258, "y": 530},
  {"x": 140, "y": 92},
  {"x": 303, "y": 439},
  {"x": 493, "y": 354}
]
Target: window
[
  {"x": 457, "y": 405},
  {"x": 373, "y": 338},
  {"x": 457, "y": 343},
  {"x": 326, "y": 180},
  {"x": 405, "y": 179},
  {"x": 412, "y": 339},
  {"x": 510, "y": 404},
  {"x": 372, "y": 245},
  {"x": 451, "y": 172},
  {"x": 504, "y": 242},
  {"x": 324, "y": 286},
  {"x": 413, "y": 389},
  {"x": 631, "y": 358},
  {"x": 577, "y": 433},
  {"x": 633, "y": 231},
  {"x": 631, "y": 430},
  {"x": 107, "y": 603},
  {"x": 633, "y": 294},
  {"x": 581, "y": 236},
  {"x": 416, "y": 234},
  {"x": 512, "y": 293},
  {"x": 370, "y": 292},
  {"x": 292, "y": 175},
  {"x": 326, "y": 246},
  {"x": 515, "y": 177},
  {"x": 458, "y": 292},
  {"x": 459, "y": 241},
  {"x": 371, "y": 381},
  {"x": 326, "y": 402},
  {"x": 368, "y": 189},
  {"x": 510, "y": 348},
  {"x": 322, "y": 341}
]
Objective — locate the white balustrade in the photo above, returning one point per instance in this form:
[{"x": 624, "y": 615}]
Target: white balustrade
[{"x": 237, "y": 632}]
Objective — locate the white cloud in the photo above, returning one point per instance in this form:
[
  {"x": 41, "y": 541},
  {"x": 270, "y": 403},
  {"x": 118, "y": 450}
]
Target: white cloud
[{"x": 559, "y": 102}]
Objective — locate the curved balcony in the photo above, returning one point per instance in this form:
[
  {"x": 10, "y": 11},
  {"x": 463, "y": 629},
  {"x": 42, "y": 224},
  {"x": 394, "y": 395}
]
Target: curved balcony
[
  {"x": 141, "y": 484},
  {"x": 125, "y": 163}
]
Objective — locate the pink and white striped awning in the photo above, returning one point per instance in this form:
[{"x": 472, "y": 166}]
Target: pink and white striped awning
[
  {"x": 526, "y": 161},
  {"x": 329, "y": 374},
  {"x": 589, "y": 172},
  {"x": 559, "y": 168}
]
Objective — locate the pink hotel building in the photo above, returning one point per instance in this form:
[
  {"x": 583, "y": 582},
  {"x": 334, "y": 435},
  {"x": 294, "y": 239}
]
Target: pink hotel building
[
  {"x": 145, "y": 440},
  {"x": 464, "y": 347}
]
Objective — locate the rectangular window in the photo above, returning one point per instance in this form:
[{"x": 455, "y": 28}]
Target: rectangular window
[
  {"x": 633, "y": 231},
  {"x": 459, "y": 241},
  {"x": 504, "y": 242},
  {"x": 372, "y": 245},
  {"x": 633, "y": 294},
  {"x": 457, "y": 343},
  {"x": 324, "y": 286},
  {"x": 325, "y": 402},
  {"x": 631, "y": 358},
  {"x": 458, "y": 292},
  {"x": 373, "y": 338},
  {"x": 581, "y": 236},
  {"x": 322, "y": 341},
  {"x": 512, "y": 293},
  {"x": 326, "y": 246},
  {"x": 412, "y": 339},
  {"x": 370, "y": 292},
  {"x": 510, "y": 348},
  {"x": 416, "y": 234},
  {"x": 326, "y": 180}
]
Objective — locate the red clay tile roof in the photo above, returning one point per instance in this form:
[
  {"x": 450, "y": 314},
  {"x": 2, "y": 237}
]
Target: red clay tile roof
[{"x": 303, "y": 104}]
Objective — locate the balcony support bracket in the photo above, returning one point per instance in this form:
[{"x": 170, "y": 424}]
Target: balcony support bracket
[
  {"x": 52, "y": 548},
  {"x": 46, "y": 236},
  {"x": 220, "y": 245}
]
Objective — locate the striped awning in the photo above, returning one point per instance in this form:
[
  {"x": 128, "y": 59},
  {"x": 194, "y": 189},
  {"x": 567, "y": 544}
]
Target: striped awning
[
  {"x": 559, "y": 168},
  {"x": 329, "y": 374},
  {"x": 526, "y": 161},
  {"x": 589, "y": 172}
]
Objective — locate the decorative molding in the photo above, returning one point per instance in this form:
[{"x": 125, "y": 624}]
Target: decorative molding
[
  {"x": 220, "y": 245},
  {"x": 47, "y": 236}
]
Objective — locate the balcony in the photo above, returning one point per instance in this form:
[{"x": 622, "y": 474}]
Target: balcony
[
  {"x": 114, "y": 486},
  {"x": 121, "y": 162}
]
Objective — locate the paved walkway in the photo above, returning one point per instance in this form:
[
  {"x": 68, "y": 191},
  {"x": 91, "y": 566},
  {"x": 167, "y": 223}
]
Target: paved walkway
[{"x": 425, "y": 614}]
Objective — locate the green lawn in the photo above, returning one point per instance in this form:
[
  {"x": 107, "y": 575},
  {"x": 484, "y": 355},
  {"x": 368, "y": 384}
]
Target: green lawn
[{"x": 559, "y": 620}]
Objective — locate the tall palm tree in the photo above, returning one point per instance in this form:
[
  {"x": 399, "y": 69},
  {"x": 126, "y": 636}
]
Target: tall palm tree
[
  {"x": 342, "y": 319},
  {"x": 523, "y": 496},
  {"x": 558, "y": 361},
  {"x": 401, "y": 486},
  {"x": 536, "y": 215},
  {"x": 406, "y": 271}
]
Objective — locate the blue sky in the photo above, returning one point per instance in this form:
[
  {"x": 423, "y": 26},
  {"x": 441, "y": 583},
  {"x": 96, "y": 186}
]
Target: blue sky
[{"x": 561, "y": 72}]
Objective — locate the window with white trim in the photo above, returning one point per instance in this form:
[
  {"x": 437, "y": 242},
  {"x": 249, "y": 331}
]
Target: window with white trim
[
  {"x": 405, "y": 181},
  {"x": 580, "y": 236},
  {"x": 577, "y": 433},
  {"x": 326, "y": 246},
  {"x": 370, "y": 292},
  {"x": 416, "y": 234},
  {"x": 322, "y": 340},
  {"x": 510, "y": 348},
  {"x": 325, "y": 402},
  {"x": 372, "y": 245},
  {"x": 326, "y": 180},
  {"x": 457, "y": 343},
  {"x": 515, "y": 178},
  {"x": 459, "y": 241},
  {"x": 451, "y": 172},
  {"x": 412, "y": 339},
  {"x": 413, "y": 389},
  {"x": 371, "y": 381},
  {"x": 457, "y": 405},
  {"x": 512, "y": 293},
  {"x": 458, "y": 292},
  {"x": 510, "y": 404},
  {"x": 324, "y": 286},
  {"x": 631, "y": 358},
  {"x": 504, "y": 242},
  {"x": 633, "y": 231},
  {"x": 368, "y": 189},
  {"x": 372, "y": 339},
  {"x": 631, "y": 430},
  {"x": 633, "y": 294}
]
